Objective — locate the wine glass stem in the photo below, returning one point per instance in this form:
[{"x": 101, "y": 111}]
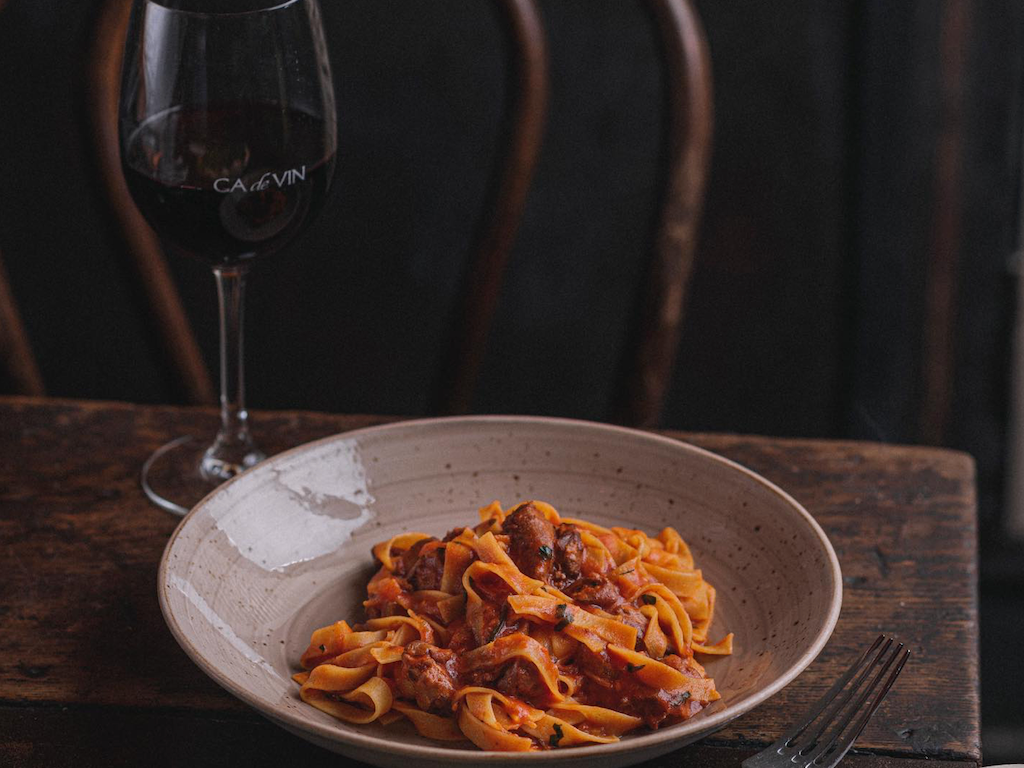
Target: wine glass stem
[
  {"x": 233, "y": 450},
  {"x": 234, "y": 419}
]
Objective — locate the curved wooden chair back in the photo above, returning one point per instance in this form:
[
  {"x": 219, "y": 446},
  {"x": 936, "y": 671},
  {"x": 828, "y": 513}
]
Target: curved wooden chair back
[
  {"x": 654, "y": 340},
  {"x": 22, "y": 376},
  {"x": 17, "y": 363},
  {"x": 148, "y": 260},
  {"x": 481, "y": 286},
  {"x": 655, "y": 333}
]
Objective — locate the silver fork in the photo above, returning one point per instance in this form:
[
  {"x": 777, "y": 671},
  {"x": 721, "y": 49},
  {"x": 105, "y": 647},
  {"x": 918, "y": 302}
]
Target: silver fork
[{"x": 822, "y": 740}]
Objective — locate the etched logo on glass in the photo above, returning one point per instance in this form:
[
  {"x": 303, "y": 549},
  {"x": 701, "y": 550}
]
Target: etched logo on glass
[{"x": 265, "y": 182}]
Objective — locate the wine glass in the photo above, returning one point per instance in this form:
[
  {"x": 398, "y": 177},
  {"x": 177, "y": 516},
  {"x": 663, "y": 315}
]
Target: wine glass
[{"x": 228, "y": 134}]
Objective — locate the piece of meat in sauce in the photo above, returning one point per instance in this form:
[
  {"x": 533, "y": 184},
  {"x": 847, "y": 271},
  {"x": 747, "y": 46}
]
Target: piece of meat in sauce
[
  {"x": 494, "y": 612},
  {"x": 427, "y": 676},
  {"x": 426, "y": 569},
  {"x": 517, "y": 678},
  {"x": 385, "y": 590},
  {"x": 496, "y": 624},
  {"x": 569, "y": 552},
  {"x": 521, "y": 680},
  {"x": 597, "y": 592},
  {"x": 606, "y": 685},
  {"x": 378, "y": 609},
  {"x": 531, "y": 541},
  {"x": 407, "y": 559}
]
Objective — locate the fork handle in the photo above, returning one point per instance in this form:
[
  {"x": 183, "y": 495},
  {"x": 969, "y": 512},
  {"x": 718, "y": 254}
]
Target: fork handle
[{"x": 764, "y": 759}]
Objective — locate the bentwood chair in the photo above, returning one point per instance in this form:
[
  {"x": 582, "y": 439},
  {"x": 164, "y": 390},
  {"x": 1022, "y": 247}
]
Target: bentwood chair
[{"x": 655, "y": 329}]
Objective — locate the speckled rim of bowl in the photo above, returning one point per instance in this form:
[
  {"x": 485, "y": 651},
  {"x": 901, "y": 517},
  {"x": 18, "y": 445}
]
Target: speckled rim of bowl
[{"x": 704, "y": 725}]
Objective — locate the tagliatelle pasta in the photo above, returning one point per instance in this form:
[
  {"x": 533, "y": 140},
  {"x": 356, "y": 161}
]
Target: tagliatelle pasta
[{"x": 528, "y": 631}]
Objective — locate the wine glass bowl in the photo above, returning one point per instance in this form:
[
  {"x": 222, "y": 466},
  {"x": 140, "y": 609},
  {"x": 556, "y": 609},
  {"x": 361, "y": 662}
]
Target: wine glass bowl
[
  {"x": 228, "y": 136},
  {"x": 241, "y": 198}
]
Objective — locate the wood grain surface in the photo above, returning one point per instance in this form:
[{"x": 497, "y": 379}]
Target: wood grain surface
[
  {"x": 33, "y": 736},
  {"x": 89, "y": 669}
]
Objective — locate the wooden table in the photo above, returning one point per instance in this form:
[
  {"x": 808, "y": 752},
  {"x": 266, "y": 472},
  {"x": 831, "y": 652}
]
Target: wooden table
[{"x": 90, "y": 676}]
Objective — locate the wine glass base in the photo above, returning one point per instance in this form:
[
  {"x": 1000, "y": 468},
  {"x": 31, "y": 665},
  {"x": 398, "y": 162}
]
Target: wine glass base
[
  {"x": 216, "y": 466},
  {"x": 181, "y": 473}
]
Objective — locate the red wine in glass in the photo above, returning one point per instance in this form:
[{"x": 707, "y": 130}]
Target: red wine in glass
[
  {"x": 228, "y": 136},
  {"x": 228, "y": 201}
]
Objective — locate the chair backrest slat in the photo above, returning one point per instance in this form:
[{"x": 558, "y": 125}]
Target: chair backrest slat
[
  {"x": 16, "y": 357},
  {"x": 481, "y": 285},
  {"x": 651, "y": 351},
  {"x": 148, "y": 261}
]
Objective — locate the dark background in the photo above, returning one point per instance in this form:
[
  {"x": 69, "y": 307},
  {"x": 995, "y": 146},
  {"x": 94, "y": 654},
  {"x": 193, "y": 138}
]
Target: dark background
[{"x": 852, "y": 279}]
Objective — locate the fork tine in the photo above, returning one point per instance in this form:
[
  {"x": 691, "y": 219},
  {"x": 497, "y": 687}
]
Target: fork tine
[
  {"x": 829, "y": 718},
  {"x": 787, "y": 738},
  {"x": 842, "y": 745}
]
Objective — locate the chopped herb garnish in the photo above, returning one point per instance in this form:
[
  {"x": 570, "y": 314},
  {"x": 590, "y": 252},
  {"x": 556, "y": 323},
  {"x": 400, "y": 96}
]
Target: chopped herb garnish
[
  {"x": 564, "y": 619},
  {"x": 678, "y": 700},
  {"x": 500, "y": 625},
  {"x": 545, "y": 552},
  {"x": 556, "y": 736},
  {"x": 623, "y": 573},
  {"x": 649, "y": 599},
  {"x": 472, "y": 584},
  {"x": 322, "y": 648},
  {"x": 634, "y": 667}
]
